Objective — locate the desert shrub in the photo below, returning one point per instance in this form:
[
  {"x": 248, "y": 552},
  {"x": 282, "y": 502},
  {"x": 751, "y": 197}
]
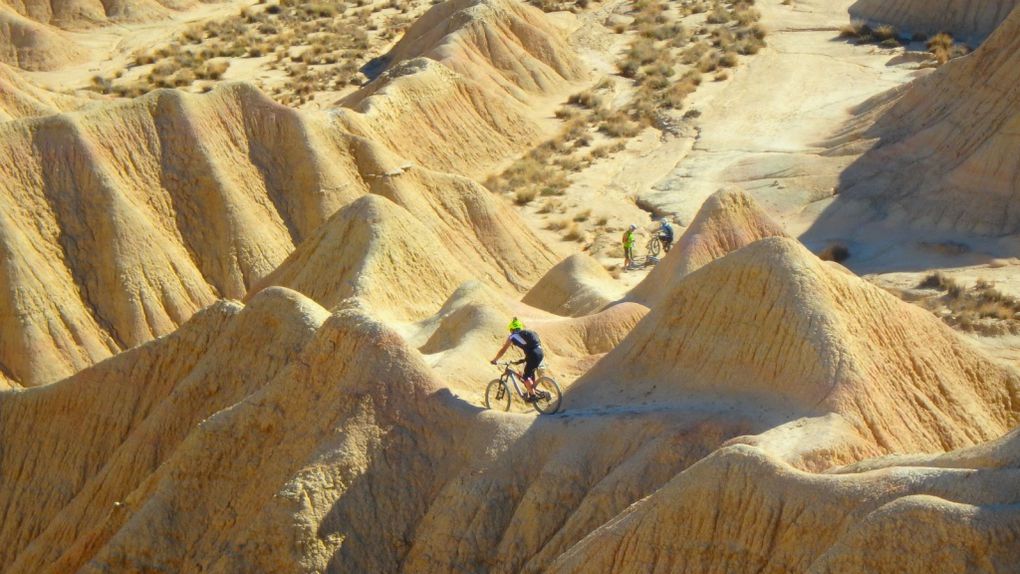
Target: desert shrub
[
  {"x": 708, "y": 63},
  {"x": 885, "y": 32},
  {"x": 837, "y": 252},
  {"x": 525, "y": 195},
  {"x": 557, "y": 224},
  {"x": 940, "y": 40},
  {"x": 573, "y": 233},
  {"x": 582, "y": 216},
  {"x": 694, "y": 53},
  {"x": 728, "y": 60},
  {"x": 619, "y": 126},
  {"x": 586, "y": 99},
  {"x": 718, "y": 15},
  {"x": 747, "y": 17},
  {"x": 550, "y": 205},
  {"x": 183, "y": 78}
]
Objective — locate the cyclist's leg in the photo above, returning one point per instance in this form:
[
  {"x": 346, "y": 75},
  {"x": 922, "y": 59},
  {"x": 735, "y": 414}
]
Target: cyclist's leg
[{"x": 531, "y": 362}]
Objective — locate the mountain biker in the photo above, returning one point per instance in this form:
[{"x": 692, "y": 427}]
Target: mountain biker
[
  {"x": 628, "y": 247},
  {"x": 665, "y": 234},
  {"x": 527, "y": 341}
]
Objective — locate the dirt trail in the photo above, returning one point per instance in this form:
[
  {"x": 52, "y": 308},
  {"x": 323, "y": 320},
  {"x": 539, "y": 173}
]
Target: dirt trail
[{"x": 763, "y": 128}]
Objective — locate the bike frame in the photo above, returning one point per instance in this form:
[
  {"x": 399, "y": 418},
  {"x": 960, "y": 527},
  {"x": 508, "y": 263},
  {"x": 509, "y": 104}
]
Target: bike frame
[{"x": 513, "y": 376}]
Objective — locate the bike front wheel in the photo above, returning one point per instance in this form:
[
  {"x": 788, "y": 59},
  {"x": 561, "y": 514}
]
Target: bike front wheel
[
  {"x": 653, "y": 248},
  {"x": 549, "y": 396},
  {"x": 497, "y": 396}
]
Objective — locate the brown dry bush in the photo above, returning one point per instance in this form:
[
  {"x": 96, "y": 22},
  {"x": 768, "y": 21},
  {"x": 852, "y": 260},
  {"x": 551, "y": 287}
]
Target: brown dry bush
[
  {"x": 586, "y": 99},
  {"x": 718, "y": 15},
  {"x": 573, "y": 233},
  {"x": 837, "y": 252},
  {"x": 525, "y": 195},
  {"x": 619, "y": 126}
]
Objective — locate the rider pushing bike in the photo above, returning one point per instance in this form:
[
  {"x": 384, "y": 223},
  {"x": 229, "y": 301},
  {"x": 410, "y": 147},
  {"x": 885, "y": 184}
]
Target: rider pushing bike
[{"x": 527, "y": 341}]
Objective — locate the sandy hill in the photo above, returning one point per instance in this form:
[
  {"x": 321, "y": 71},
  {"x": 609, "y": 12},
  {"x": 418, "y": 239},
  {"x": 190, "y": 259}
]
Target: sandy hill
[
  {"x": 943, "y": 149},
  {"x": 457, "y": 90},
  {"x": 279, "y": 424},
  {"x": 522, "y": 52},
  {"x": 466, "y": 332},
  {"x": 728, "y": 220},
  {"x": 968, "y": 20},
  {"x": 27, "y": 44},
  {"x": 378, "y": 251},
  {"x": 130, "y": 218},
  {"x": 262, "y": 438},
  {"x": 20, "y": 99},
  {"x": 576, "y": 286},
  {"x": 742, "y": 510},
  {"x": 775, "y": 325}
]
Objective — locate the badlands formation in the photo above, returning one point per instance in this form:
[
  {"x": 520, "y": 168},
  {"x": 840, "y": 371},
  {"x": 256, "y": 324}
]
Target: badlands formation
[{"x": 241, "y": 336}]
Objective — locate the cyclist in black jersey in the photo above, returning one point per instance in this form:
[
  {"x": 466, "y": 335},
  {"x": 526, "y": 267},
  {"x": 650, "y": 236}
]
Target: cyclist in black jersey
[{"x": 527, "y": 341}]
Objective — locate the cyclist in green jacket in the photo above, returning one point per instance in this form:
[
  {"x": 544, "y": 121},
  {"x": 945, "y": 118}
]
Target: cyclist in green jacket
[{"x": 628, "y": 247}]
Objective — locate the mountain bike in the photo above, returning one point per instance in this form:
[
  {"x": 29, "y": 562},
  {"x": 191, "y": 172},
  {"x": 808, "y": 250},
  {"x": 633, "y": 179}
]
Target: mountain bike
[
  {"x": 654, "y": 246},
  {"x": 498, "y": 394}
]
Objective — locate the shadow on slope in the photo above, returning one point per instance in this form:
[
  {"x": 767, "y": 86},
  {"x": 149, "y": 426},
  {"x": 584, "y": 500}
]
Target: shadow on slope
[{"x": 939, "y": 164}]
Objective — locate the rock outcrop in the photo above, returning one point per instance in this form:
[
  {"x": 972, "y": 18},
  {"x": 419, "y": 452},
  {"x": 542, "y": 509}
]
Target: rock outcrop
[
  {"x": 967, "y": 20},
  {"x": 20, "y": 99},
  {"x": 942, "y": 155}
]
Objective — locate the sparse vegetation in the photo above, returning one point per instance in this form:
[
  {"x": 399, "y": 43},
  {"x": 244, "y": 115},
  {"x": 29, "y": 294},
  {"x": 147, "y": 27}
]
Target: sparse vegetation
[
  {"x": 664, "y": 61},
  {"x": 331, "y": 37},
  {"x": 981, "y": 309},
  {"x": 942, "y": 46}
]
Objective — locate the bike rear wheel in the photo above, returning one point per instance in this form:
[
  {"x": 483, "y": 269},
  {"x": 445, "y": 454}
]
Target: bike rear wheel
[
  {"x": 653, "y": 247},
  {"x": 497, "y": 396},
  {"x": 549, "y": 396}
]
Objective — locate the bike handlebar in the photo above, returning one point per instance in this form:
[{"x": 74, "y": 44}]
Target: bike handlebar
[{"x": 504, "y": 364}]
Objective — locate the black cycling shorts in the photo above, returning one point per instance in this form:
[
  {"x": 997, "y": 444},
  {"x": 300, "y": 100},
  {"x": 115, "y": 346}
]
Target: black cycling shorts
[{"x": 532, "y": 359}]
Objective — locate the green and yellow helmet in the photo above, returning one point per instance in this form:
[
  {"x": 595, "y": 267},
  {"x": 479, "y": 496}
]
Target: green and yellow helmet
[{"x": 515, "y": 325}]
